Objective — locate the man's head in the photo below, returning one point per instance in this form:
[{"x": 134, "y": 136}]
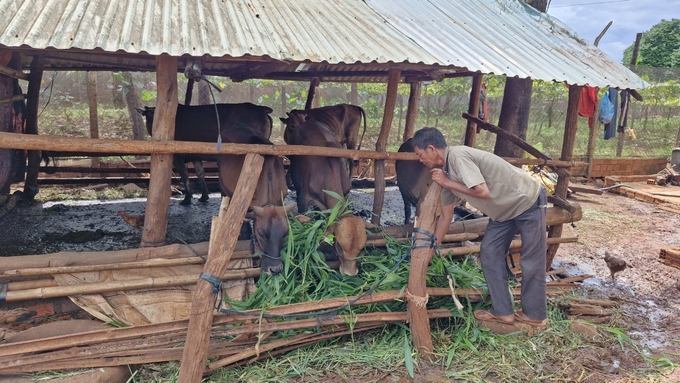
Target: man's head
[{"x": 429, "y": 144}]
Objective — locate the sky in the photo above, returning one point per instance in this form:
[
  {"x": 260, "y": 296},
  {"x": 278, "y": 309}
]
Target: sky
[{"x": 589, "y": 17}]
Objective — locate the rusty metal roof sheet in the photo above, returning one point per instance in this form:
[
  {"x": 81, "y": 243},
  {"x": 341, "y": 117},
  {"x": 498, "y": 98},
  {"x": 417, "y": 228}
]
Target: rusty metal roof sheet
[{"x": 249, "y": 37}]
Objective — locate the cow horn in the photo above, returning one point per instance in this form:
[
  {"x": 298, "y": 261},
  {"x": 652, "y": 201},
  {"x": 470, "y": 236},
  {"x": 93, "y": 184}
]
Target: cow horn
[{"x": 258, "y": 210}]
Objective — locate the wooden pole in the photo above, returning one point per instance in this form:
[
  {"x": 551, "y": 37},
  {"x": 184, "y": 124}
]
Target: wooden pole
[
  {"x": 594, "y": 124},
  {"x": 633, "y": 61},
  {"x": 92, "y": 104},
  {"x": 420, "y": 258},
  {"x": 202, "y": 306},
  {"x": 570, "y": 127},
  {"x": 412, "y": 110},
  {"x": 32, "y": 104},
  {"x": 156, "y": 215},
  {"x": 311, "y": 93},
  {"x": 473, "y": 109},
  {"x": 380, "y": 146}
]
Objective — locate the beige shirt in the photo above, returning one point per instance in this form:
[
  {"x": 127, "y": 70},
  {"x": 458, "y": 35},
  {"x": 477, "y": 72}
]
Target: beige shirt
[{"x": 512, "y": 191}]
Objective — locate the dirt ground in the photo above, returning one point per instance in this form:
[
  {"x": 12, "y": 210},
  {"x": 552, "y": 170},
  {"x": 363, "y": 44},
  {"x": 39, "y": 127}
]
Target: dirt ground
[{"x": 627, "y": 228}]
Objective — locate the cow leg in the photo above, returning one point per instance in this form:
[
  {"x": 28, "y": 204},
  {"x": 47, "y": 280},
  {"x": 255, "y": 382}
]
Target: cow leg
[
  {"x": 407, "y": 211},
  {"x": 184, "y": 176},
  {"x": 200, "y": 174}
]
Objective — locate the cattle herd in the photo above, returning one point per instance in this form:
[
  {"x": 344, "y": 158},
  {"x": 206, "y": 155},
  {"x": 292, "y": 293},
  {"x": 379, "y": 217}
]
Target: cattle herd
[{"x": 334, "y": 126}]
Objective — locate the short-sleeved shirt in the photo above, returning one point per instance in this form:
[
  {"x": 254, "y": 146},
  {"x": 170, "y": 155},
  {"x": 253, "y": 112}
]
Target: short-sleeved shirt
[{"x": 511, "y": 190}]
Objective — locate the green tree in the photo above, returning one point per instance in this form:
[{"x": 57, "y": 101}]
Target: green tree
[{"x": 659, "y": 47}]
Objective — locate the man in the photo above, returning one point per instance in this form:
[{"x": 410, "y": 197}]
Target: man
[{"x": 513, "y": 201}]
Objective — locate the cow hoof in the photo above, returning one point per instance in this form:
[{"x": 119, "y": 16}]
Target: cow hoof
[
  {"x": 186, "y": 202},
  {"x": 204, "y": 198}
]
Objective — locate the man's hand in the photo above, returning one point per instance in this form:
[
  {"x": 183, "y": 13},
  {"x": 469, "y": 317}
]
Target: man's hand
[{"x": 439, "y": 176}]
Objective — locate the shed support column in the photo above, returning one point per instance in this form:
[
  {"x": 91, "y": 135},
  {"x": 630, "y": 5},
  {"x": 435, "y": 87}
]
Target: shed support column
[
  {"x": 570, "y": 126},
  {"x": 473, "y": 109},
  {"x": 92, "y": 103},
  {"x": 420, "y": 259},
  {"x": 156, "y": 215},
  {"x": 381, "y": 145},
  {"x": 33, "y": 95},
  {"x": 311, "y": 93},
  {"x": 412, "y": 110}
]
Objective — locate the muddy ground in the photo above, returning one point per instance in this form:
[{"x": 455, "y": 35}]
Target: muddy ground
[{"x": 648, "y": 291}]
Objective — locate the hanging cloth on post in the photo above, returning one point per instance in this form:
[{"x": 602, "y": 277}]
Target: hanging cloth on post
[
  {"x": 588, "y": 103},
  {"x": 608, "y": 113},
  {"x": 625, "y": 103}
]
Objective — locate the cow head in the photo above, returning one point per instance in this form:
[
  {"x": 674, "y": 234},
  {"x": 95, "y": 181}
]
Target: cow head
[
  {"x": 270, "y": 228},
  {"x": 295, "y": 118},
  {"x": 350, "y": 239}
]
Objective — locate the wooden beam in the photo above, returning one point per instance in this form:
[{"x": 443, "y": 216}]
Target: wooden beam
[
  {"x": 7, "y": 71},
  {"x": 156, "y": 212},
  {"x": 32, "y": 105},
  {"x": 381, "y": 144},
  {"x": 420, "y": 258},
  {"x": 12, "y": 99},
  {"x": 570, "y": 127},
  {"x": 412, "y": 110},
  {"x": 515, "y": 140},
  {"x": 202, "y": 306},
  {"x": 473, "y": 107}
]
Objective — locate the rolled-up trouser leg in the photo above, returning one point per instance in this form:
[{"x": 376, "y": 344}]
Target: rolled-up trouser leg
[{"x": 494, "y": 247}]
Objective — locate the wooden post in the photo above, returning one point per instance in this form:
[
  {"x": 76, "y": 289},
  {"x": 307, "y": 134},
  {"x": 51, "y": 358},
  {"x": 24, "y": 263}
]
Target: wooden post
[
  {"x": 594, "y": 125},
  {"x": 633, "y": 61},
  {"x": 381, "y": 145},
  {"x": 420, "y": 259},
  {"x": 92, "y": 103},
  {"x": 412, "y": 110},
  {"x": 202, "y": 306},
  {"x": 311, "y": 93},
  {"x": 570, "y": 126},
  {"x": 156, "y": 216},
  {"x": 473, "y": 109},
  {"x": 32, "y": 104}
]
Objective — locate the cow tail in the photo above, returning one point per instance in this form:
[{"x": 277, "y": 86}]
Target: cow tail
[{"x": 363, "y": 115}]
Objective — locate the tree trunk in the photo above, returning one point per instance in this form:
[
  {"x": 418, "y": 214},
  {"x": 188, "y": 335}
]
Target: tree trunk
[
  {"x": 133, "y": 102},
  {"x": 514, "y": 115}
]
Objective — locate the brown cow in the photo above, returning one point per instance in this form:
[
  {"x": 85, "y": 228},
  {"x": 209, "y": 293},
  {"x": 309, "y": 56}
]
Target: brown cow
[
  {"x": 199, "y": 123},
  {"x": 311, "y": 175},
  {"x": 344, "y": 121},
  {"x": 413, "y": 180},
  {"x": 349, "y": 238},
  {"x": 270, "y": 225}
]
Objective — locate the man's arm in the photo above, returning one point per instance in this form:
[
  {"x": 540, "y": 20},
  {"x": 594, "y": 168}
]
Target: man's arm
[
  {"x": 443, "y": 222},
  {"x": 479, "y": 191}
]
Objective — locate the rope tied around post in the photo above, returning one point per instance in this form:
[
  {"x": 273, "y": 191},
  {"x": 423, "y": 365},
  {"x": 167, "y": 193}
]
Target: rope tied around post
[{"x": 214, "y": 280}]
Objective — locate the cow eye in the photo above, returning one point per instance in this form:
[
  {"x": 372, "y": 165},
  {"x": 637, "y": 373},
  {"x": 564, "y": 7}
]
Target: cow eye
[{"x": 265, "y": 234}]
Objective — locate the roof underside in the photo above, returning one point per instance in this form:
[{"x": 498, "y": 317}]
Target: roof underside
[{"x": 341, "y": 40}]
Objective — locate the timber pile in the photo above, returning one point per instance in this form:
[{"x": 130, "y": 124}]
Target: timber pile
[
  {"x": 670, "y": 257},
  {"x": 589, "y": 310}
]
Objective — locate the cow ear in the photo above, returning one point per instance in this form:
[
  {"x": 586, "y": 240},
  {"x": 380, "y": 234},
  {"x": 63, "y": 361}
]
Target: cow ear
[
  {"x": 141, "y": 111},
  {"x": 289, "y": 207},
  {"x": 284, "y": 120}
]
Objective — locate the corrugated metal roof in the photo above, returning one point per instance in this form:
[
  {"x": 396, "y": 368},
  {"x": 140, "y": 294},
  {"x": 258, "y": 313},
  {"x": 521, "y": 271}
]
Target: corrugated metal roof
[
  {"x": 504, "y": 37},
  {"x": 488, "y": 36}
]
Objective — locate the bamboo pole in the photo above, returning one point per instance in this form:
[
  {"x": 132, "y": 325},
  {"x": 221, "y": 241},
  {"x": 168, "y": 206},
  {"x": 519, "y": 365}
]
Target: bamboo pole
[
  {"x": 420, "y": 258},
  {"x": 381, "y": 145},
  {"x": 516, "y": 244},
  {"x": 195, "y": 350}
]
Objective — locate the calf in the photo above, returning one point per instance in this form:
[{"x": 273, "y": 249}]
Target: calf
[
  {"x": 269, "y": 216},
  {"x": 343, "y": 120},
  {"x": 311, "y": 175},
  {"x": 199, "y": 123},
  {"x": 413, "y": 180}
]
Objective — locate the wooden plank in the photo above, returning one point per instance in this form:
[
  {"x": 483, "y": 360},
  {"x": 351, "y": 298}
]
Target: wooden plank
[
  {"x": 7, "y": 71},
  {"x": 585, "y": 189}
]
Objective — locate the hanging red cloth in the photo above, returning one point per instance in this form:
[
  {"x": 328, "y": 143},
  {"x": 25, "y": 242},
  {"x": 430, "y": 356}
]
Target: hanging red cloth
[{"x": 588, "y": 103}]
